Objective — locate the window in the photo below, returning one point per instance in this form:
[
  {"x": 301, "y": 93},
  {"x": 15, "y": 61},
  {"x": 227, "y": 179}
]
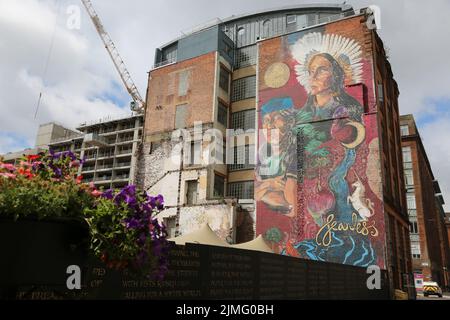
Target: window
[
  {"x": 414, "y": 227},
  {"x": 195, "y": 153},
  {"x": 191, "y": 194},
  {"x": 404, "y": 130},
  {"x": 183, "y": 83},
  {"x": 228, "y": 49},
  {"x": 224, "y": 79},
  {"x": 243, "y": 158},
  {"x": 415, "y": 250},
  {"x": 291, "y": 18},
  {"x": 244, "y": 88},
  {"x": 407, "y": 154},
  {"x": 244, "y": 120},
  {"x": 180, "y": 116},
  {"x": 267, "y": 28},
  {"x": 219, "y": 186},
  {"x": 170, "y": 224},
  {"x": 409, "y": 178},
  {"x": 240, "y": 36},
  {"x": 380, "y": 92},
  {"x": 245, "y": 56},
  {"x": 169, "y": 54},
  {"x": 241, "y": 190},
  {"x": 222, "y": 114},
  {"x": 412, "y": 213},
  {"x": 411, "y": 201}
]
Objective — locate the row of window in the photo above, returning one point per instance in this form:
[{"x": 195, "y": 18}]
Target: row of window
[
  {"x": 239, "y": 190},
  {"x": 248, "y": 32},
  {"x": 242, "y": 120},
  {"x": 243, "y": 88},
  {"x": 240, "y": 158}
]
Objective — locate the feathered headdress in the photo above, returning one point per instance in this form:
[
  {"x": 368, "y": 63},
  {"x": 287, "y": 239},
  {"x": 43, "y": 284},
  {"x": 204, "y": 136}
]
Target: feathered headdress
[{"x": 347, "y": 52}]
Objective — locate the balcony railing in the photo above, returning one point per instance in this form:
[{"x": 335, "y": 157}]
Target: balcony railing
[
  {"x": 104, "y": 166},
  {"x": 106, "y": 155},
  {"x": 165, "y": 62},
  {"x": 90, "y": 156},
  {"x": 122, "y": 164},
  {"x": 103, "y": 178},
  {"x": 122, "y": 177},
  {"x": 125, "y": 151},
  {"x": 125, "y": 139}
]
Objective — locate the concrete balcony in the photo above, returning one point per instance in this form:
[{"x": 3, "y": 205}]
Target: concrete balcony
[{"x": 93, "y": 139}]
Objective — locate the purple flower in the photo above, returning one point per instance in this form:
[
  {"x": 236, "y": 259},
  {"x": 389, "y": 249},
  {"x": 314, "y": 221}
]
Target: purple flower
[
  {"x": 156, "y": 202},
  {"x": 57, "y": 171},
  {"x": 127, "y": 194},
  {"x": 108, "y": 194},
  {"x": 132, "y": 223},
  {"x": 130, "y": 201},
  {"x": 129, "y": 189}
]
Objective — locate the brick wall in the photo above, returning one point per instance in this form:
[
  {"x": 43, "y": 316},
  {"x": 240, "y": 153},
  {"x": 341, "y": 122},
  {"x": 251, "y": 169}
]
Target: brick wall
[{"x": 165, "y": 93}]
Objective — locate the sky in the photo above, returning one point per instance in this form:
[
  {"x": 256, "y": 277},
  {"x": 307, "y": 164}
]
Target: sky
[{"x": 41, "y": 52}]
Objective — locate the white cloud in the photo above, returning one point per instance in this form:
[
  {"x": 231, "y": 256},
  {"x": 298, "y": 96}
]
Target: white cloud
[{"x": 76, "y": 73}]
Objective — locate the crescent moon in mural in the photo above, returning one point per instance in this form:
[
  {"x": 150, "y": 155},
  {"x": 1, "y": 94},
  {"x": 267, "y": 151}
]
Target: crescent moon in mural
[{"x": 360, "y": 136}]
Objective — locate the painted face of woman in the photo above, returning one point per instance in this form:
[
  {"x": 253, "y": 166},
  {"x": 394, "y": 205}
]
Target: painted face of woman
[{"x": 320, "y": 75}]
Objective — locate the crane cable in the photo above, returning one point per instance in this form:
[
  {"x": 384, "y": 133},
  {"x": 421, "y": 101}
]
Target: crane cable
[{"x": 48, "y": 57}]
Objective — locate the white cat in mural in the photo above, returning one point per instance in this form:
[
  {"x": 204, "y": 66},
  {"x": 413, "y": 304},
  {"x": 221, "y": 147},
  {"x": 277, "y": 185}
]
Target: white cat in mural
[{"x": 360, "y": 203}]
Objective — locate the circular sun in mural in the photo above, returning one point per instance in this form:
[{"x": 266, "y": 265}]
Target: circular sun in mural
[{"x": 277, "y": 75}]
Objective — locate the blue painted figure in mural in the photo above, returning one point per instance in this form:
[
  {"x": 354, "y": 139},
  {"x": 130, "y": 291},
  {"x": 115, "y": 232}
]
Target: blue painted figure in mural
[{"x": 277, "y": 170}]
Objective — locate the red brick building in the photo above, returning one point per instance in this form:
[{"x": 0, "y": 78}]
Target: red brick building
[{"x": 429, "y": 245}]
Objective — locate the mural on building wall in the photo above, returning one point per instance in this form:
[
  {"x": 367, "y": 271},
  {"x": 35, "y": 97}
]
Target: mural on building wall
[{"x": 318, "y": 190}]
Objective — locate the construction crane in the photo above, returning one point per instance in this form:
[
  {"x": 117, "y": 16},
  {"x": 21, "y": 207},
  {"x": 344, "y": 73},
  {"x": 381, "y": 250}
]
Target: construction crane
[{"x": 138, "y": 103}]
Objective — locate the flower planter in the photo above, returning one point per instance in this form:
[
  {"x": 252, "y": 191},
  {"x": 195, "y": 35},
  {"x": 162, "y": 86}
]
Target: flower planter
[{"x": 37, "y": 253}]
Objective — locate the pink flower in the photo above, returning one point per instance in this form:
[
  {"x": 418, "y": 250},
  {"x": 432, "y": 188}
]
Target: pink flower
[
  {"x": 7, "y": 166},
  {"x": 96, "y": 193},
  {"x": 7, "y": 175},
  {"x": 25, "y": 164}
]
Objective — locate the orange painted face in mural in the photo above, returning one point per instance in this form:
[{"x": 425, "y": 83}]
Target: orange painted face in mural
[{"x": 320, "y": 75}]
